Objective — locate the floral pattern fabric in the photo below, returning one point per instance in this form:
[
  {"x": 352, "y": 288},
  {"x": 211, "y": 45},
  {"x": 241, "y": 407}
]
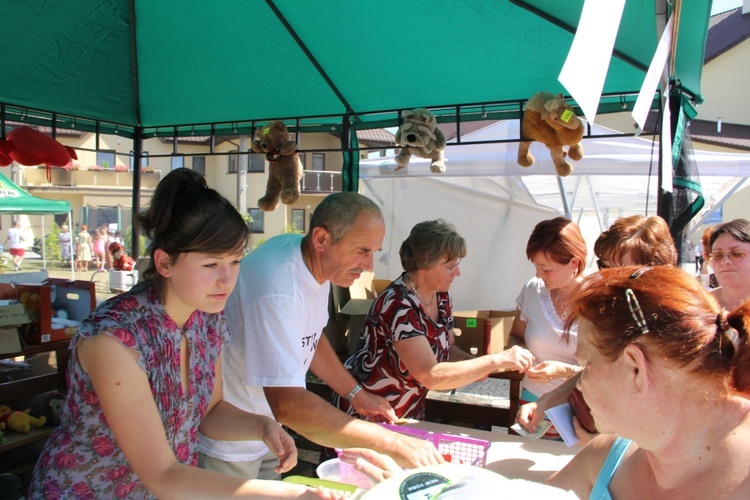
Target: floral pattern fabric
[
  {"x": 81, "y": 459},
  {"x": 396, "y": 315}
]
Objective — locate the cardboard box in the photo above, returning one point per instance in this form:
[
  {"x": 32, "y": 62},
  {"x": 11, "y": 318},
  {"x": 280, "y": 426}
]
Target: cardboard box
[
  {"x": 361, "y": 294},
  {"x": 471, "y": 327},
  {"x": 76, "y": 298},
  {"x": 14, "y": 322}
]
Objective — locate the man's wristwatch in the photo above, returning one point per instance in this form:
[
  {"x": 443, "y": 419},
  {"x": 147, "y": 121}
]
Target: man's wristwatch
[{"x": 353, "y": 393}]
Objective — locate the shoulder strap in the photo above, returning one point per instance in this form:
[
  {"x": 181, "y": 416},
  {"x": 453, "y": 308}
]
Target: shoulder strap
[{"x": 600, "y": 491}]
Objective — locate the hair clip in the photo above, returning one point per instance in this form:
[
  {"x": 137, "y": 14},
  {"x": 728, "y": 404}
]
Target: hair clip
[
  {"x": 635, "y": 311},
  {"x": 637, "y": 273}
]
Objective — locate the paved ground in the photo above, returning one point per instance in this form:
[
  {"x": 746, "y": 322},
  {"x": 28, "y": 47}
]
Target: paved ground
[{"x": 33, "y": 262}]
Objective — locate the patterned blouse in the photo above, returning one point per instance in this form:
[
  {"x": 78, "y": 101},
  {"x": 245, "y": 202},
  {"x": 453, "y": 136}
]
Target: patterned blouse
[
  {"x": 81, "y": 458},
  {"x": 396, "y": 315}
]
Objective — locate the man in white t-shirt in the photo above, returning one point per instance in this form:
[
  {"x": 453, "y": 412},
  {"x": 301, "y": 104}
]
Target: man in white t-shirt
[
  {"x": 16, "y": 239},
  {"x": 276, "y": 315}
]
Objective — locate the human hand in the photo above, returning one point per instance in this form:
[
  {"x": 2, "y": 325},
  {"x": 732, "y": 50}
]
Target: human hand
[
  {"x": 529, "y": 416},
  {"x": 582, "y": 434},
  {"x": 548, "y": 370},
  {"x": 376, "y": 466},
  {"x": 376, "y": 408},
  {"x": 412, "y": 452},
  {"x": 281, "y": 443},
  {"x": 516, "y": 358}
]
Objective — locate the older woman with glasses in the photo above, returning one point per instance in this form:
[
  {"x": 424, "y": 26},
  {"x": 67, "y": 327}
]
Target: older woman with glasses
[
  {"x": 406, "y": 347},
  {"x": 730, "y": 246},
  {"x": 667, "y": 377}
]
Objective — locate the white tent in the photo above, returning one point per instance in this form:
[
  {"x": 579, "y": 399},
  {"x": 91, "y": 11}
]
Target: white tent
[{"x": 495, "y": 203}]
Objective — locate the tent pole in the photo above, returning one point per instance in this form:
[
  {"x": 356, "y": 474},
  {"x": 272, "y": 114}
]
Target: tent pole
[
  {"x": 138, "y": 155},
  {"x": 564, "y": 198},
  {"x": 70, "y": 244},
  {"x": 44, "y": 246}
]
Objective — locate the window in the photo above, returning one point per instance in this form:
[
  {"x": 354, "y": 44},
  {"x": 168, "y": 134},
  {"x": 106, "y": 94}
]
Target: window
[
  {"x": 256, "y": 163},
  {"x": 233, "y": 162},
  {"x": 178, "y": 162},
  {"x": 144, "y": 159},
  {"x": 256, "y": 226},
  {"x": 298, "y": 219},
  {"x": 199, "y": 165},
  {"x": 105, "y": 159},
  {"x": 302, "y": 159},
  {"x": 319, "y": 161}
]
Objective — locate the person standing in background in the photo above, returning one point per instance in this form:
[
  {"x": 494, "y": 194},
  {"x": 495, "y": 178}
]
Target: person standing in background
[
  {"x": 16, "y": 239},
  {"x": 698, "y": 252},
  {"x": 84, "y": 249},
  {"x": 63, "y": 239}
]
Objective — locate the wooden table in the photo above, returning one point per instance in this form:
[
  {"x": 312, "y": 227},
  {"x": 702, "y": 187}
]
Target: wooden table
[{"x": 513, "y": 456}]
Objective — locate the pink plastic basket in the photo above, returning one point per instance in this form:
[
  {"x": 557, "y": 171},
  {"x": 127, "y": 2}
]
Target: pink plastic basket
[{"x": 455, "y": 449}]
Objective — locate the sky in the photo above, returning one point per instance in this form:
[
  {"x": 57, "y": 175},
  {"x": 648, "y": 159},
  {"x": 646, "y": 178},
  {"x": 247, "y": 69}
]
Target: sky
[{"x": 723, "y": 5}]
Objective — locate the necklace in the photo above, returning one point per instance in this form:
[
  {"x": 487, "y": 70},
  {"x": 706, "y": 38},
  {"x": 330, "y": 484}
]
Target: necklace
[
  {"x": 560, "y": 305},
  {"x": 414, "y": 289}
]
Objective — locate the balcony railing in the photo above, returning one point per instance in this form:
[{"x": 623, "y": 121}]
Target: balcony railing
[
  {"x": 321, "y": 181},
  {"x": 88, "y": 178}
]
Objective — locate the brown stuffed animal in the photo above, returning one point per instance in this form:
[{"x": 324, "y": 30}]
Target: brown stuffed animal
[
  {"x": 285, "y": 167},
  {"x": 550, "y": 120},
  {"x": 420, "y": 135}
]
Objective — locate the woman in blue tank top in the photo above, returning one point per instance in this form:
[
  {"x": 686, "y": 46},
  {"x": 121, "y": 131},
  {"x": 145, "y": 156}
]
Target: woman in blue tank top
[{"x": 667, "y": 377}]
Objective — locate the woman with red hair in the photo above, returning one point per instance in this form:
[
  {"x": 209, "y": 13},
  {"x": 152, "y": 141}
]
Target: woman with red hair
[{"x": 667, "y": 378}]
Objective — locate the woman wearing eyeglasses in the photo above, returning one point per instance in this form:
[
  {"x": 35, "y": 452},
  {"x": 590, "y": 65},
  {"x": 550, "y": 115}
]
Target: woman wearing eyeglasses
[
  {"x": 667, "y": 378},
  {"x": 730, "y": 246},
  {"x": 406, "y": 346},
  {"x": 558, "y": 251}
]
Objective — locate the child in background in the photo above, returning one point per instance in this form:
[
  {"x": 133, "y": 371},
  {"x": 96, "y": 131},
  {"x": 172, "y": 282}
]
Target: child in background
[{"x": 120, "y": 260}]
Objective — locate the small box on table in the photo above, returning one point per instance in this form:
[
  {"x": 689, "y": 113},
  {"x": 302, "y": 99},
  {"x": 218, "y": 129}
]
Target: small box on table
[{"x": 44, "y": 302}]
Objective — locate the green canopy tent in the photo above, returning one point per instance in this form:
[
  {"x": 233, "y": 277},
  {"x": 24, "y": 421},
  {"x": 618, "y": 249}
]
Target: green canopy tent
[
  {"x": 14, "y": 200},
  {"x": 171, "y": 68}
]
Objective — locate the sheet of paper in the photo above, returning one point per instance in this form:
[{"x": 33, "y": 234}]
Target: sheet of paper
[
  {"x": 651, "y": 82},
  {"x": 586, "y": 66},
  {"x": 562, "y": 418}
]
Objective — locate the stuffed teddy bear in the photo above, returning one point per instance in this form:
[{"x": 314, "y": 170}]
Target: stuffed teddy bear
[
  {"x": 19, "y": 421},
  {"x": 420, "y": 135},
  {"x": 550, "y": 120},
  {"x": 285, "y": 167}
]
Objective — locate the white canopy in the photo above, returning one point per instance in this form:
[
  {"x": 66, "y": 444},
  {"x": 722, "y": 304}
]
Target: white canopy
[{"x": 495, "y": 203}]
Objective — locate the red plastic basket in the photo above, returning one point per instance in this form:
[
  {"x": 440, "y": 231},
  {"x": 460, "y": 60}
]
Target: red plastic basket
[{"x": 455, "y": 449}]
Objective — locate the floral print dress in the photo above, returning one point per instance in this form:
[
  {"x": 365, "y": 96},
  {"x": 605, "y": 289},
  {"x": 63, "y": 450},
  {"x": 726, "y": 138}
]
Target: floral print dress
[
  {"x": 81, "y": 458},
  {"x": 396, "y": 315}
]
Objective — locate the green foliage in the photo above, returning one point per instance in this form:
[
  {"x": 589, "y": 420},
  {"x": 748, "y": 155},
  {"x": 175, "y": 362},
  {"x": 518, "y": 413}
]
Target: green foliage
[
  {"x": 51, "y": 243},
  {"x": 128, "y": 240},
  {"x": 291, "y": 229}
]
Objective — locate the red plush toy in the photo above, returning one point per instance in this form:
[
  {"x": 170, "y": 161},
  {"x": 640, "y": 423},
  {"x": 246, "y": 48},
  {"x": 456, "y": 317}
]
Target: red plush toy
[
  {"x": 30, "y": 147},
  {"x": 120, "y": 261}
]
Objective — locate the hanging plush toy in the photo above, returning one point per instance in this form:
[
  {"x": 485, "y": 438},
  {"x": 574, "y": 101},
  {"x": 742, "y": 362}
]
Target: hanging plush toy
[
  {"x": 284, "y": 165},
  {"x": 550, "y": 120},
  {"x": 419, "y": 135},
  {"x": 30, "y": 147}
]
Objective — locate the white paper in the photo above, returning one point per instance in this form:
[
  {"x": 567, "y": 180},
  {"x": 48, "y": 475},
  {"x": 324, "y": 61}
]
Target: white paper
[
  {"x": 651, "y": 82},
  {"x": 666, "y": 147},
  {"x": 586, "y": 66},
  {"x": 562, "y": 418}
]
